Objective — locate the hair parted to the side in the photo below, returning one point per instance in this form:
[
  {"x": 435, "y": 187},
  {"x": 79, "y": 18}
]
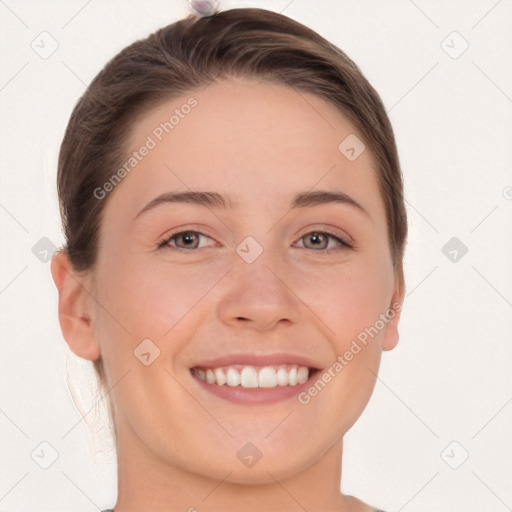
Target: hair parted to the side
[{"x": 190, "y": 54}]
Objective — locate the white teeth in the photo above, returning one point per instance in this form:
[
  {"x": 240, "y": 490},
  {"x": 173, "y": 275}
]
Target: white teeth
[
  {"x": 282, "y": 376},
  {"x": 267, "y": 377},
  {"x": 302, "y": 375},
  {"x": 233, "y": 377},
  {"x": 249, "y": 377},
  {"x": 220, "y": 377},
  {"x": 292, "y": 376},
  {"x": 210, "y": 376},
  {"x": 253, "y": 377}
]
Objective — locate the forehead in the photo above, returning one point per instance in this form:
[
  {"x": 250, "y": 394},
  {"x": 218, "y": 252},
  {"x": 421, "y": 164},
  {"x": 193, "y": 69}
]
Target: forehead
[{"x": 244, "y": 137}]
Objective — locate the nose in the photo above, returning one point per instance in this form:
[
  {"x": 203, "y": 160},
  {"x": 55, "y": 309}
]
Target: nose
[{"x": 257, "y": 296}]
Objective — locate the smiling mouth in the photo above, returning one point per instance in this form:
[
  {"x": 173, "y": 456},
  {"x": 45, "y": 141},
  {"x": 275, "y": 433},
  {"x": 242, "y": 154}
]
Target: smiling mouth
[{"x": 250, "y": 376}]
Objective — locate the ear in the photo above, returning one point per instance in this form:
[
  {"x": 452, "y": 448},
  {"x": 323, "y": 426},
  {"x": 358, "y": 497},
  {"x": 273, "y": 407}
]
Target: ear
[
  {"x": 391, "y": 335},
  {"x": 74, "y": 308}
]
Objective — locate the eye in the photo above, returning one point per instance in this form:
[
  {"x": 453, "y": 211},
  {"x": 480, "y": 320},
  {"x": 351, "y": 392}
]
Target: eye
[
  {"x": 189, "y": 240},
  {"x": 320, "y": 240}
]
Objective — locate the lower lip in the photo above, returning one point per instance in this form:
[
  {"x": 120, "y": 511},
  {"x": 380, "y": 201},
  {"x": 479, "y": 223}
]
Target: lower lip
[{"x": 242, "y": 395}]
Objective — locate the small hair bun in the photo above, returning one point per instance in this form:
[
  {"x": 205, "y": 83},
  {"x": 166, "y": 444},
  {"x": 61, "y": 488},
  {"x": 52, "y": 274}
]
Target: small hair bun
[{"x": 203, "y": 8}]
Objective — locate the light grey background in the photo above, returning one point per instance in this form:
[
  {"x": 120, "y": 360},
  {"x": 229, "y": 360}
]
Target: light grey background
[{"x": 449, "y": 379}]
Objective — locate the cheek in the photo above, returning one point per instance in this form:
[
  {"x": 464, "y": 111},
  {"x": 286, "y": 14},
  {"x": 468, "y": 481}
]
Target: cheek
[
  {"x": 151, "y": 296},
  {"x": 349, "y": 302},
  {"x": 349, "y": 298}
]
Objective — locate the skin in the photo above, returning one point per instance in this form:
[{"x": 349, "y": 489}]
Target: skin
[{"x": 260, "y": 144}]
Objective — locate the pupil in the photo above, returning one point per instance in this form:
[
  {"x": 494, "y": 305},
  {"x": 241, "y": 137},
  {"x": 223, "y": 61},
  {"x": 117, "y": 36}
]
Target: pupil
[
  {"x": 317, "y": 239},
  {"x": 188, "y": 237}
]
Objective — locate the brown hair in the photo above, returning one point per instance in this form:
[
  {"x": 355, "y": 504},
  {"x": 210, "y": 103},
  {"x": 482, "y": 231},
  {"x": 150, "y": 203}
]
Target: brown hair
[{"x": 193, "y": 53}]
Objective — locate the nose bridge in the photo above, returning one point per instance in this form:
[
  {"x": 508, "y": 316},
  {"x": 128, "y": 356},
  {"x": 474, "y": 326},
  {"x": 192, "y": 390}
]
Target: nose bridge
[
  {"x": 257, "y": 293},
  {"x": 264, "y": 258}
]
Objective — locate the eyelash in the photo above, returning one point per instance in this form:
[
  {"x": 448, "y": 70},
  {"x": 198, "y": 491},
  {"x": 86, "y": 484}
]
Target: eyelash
[{"x": 164, "y": 244}]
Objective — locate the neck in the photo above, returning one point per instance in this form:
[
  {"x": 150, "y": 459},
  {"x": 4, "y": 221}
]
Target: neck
[{"x": 147, "y": 482}]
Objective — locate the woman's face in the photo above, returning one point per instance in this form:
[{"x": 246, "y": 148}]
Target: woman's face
[{"x": 258, "y": 281}]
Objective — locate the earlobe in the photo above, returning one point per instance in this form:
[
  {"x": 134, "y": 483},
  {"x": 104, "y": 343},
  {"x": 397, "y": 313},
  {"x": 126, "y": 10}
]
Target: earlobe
[
  {"x": 74, "y": 308},
  {"x": 391, "y": 335}
]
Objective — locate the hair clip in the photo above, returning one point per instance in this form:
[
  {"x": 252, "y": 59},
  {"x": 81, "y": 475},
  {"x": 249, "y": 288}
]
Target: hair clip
[{"x": 203, "y": 8}]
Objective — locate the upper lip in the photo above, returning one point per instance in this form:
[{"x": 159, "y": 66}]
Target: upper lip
[{"x": 252, "y": 359}]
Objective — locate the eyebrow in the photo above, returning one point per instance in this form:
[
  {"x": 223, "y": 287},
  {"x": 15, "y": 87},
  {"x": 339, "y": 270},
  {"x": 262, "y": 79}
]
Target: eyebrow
[{"x": 218, "y": 201}]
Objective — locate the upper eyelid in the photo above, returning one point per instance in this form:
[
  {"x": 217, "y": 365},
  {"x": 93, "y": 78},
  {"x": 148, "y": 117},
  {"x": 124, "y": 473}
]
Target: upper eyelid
[{"x": 182, "y": 231}]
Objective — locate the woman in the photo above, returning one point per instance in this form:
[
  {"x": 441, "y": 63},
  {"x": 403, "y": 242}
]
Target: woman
[{"x": 235, "y": 226}]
